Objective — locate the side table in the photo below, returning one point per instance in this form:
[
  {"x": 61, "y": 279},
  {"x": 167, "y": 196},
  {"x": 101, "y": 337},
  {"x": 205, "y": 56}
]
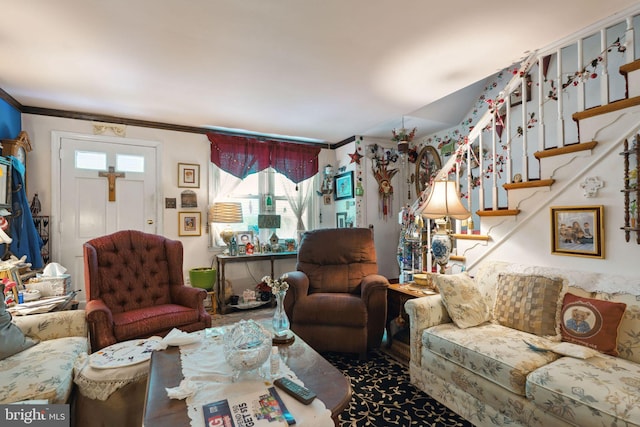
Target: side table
[{"x": 398, "y": 320}]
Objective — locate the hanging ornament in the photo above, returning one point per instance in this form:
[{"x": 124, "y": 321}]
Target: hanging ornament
[
  {"x": 403, "y": 137},
  {"x": 385, "y": 190},
  {"x": 355, "y": 157}
]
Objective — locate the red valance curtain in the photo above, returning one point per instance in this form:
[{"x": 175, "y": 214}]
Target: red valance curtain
[{"x": 241, "y": 156}]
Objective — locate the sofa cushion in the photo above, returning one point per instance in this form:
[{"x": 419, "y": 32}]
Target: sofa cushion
[
  {"x": 12, "y": 339},
  {"x": 495, "y": 352},
  {"x": 629, "y": 329},
  {"x": 600, "y": 391},
  {"x": 592, "y": 322},
  {"x": 463, "y": 301},
  {"x": 44, "y": 371},
  {"x": 529, "y": 303}
]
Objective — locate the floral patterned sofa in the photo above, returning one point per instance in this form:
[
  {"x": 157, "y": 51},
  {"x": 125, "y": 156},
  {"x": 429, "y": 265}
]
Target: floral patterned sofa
[
  {"x": 503, "y": 348},
  {"x": 45, "y": 370}
]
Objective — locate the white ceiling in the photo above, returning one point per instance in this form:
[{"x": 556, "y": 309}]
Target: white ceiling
[{"x": 324, "y": 70}]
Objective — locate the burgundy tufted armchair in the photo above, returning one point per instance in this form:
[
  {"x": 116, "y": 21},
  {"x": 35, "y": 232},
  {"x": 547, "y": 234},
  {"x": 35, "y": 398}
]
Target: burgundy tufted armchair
[
  {"x": 135, "y": 289},
  {"x": 337, "y": 301}
]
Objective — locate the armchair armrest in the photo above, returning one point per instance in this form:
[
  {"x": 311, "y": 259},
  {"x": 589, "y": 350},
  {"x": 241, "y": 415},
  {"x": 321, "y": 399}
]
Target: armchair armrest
[
  {"x": 298, "y": 288},
  {"x": 423, "y": 313},
  {"x": 57, "y": 324},
  {"x": 188, "y": 296},
  {"x": 371, "y": 284},
  {"x": 100, "y": 322}
]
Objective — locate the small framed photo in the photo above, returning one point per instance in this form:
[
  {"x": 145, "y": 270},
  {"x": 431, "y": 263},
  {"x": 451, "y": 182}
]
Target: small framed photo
[
  {"x": 188, "y": 223},
  {"x": 577, "y": 231},
  {"x": 244, "y": 237},
  {"x": 188, "y": 175},
  {"x": 343, "y": 184},
  {"x": 341, "y": 220},
  {"x": 327, "y": 199}
]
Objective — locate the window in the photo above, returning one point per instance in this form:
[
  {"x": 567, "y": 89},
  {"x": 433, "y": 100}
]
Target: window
[{"x": 252, "y": 193}]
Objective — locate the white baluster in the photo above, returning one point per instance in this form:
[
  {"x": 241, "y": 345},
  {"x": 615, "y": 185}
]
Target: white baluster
[
  {"x": 560, "y": 102},
  {"x": 481, "y": 203},
  {"x": 525, "y": 132},
  {"x": 604, "y": 77},
  {"x": 581, "y": 87},
  {"x": 541, "y": 96},
  {"x": 629, "y": 41},
  {"x": 494, "y": 165}
]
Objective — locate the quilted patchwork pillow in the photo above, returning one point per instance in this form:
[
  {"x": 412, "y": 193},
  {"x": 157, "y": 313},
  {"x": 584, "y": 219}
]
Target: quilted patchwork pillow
[
  {"x": 462, "y": 299},
  {"x": 592, "y": 322},
  {"x": 529, "y": 303}
]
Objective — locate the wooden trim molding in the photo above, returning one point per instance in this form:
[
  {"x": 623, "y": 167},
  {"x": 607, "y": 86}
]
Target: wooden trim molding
[
  {"x": 498, "y": 212},
  {"x": 573, "y": 148},
  {"x": 482, "y": 237},
  {"x": 631, "y": 66},
  {"x": 608, "y": 108},
  {"x": 529, "y": 184}
]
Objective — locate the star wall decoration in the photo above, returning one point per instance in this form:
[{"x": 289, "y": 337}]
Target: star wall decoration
[{"x": 355, "y": 157}]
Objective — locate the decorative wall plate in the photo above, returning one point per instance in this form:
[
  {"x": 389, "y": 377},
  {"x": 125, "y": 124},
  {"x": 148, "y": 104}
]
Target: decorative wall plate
[{"x": 124, "y": 353}]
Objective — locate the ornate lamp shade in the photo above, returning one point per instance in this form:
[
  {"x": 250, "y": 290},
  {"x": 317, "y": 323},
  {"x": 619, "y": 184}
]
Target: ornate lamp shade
[
  {"x": 443, "y": 203},
  {"x": 226, "y": 213}
]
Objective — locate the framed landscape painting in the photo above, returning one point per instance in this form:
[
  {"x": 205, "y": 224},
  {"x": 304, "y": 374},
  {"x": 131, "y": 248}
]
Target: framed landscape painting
[{"x": 577, "y": 231}]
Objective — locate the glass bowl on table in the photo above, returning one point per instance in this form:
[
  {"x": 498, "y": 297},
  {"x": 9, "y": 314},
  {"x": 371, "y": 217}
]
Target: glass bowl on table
[{"x": 247, "y": 346}]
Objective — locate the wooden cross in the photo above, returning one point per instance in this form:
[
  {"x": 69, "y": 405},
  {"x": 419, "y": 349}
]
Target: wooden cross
[{"x": 111, "y": 177}]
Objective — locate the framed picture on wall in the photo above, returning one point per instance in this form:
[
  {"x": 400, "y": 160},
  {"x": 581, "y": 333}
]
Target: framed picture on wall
[
  {"x": 188, "y": 223},
  {"x": 341, "y": 220},
  {"x": 188, "y": 175},
  {"x": 343, "y": 184},
  {"x": 577, "y": 231}
]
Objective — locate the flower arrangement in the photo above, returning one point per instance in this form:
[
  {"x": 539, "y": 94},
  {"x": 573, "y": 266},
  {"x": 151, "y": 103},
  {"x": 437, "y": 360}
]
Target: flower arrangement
[
  {"x": 402, "y": 135},
  {"x": 278, "y": 285}
]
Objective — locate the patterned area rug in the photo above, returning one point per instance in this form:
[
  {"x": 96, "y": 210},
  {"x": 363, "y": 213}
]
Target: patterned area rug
[
  {"x": 383, "y": 395},
  {"x": 382, "y": 392}
]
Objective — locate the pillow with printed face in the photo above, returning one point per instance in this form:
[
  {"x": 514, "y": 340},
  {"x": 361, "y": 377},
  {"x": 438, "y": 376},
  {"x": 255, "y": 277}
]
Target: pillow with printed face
[{"x": 591, "y": 322}]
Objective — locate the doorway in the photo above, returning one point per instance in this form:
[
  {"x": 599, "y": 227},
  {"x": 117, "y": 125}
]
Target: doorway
[{"x": 100, "y": 185}]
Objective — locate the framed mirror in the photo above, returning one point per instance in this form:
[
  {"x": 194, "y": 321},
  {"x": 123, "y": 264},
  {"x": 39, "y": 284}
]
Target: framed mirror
[
  {"x": 5, "y": 183},
  {"x": 428, "y": 164}
]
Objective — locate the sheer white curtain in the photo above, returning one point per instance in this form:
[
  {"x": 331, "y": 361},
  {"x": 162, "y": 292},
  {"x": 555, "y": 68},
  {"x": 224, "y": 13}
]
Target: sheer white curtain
[
  {"x": 222, "y": 184},
  {"x": 299, "y": 199}
]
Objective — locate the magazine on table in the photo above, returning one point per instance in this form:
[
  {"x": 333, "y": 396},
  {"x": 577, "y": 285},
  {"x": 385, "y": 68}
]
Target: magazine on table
[{"x": 255, "y": 409}]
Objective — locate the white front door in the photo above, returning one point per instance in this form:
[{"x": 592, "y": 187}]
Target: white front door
[{"x": 106, "y": 185}]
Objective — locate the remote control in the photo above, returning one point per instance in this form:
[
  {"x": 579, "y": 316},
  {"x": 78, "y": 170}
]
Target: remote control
[{"x": 296, "y": 391}]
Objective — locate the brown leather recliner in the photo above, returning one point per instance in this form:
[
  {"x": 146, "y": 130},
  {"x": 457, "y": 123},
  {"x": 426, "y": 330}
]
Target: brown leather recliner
[
  {"x": 337, "y": 301},
  {"x": 135, "y": 289}
]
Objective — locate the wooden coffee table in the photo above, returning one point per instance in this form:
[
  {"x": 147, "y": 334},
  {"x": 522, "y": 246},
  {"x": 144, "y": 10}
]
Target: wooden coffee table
[{"x": 330, "y": 385}]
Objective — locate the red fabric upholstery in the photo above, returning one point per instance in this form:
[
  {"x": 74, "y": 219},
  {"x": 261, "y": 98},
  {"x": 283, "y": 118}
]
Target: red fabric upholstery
[
  {"x": 135, "y": 288},
  {"x": 337, "y": 301}
]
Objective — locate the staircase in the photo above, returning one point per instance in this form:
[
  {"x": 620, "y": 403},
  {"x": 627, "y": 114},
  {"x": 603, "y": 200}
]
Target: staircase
[{"x": 562, "y": 118}]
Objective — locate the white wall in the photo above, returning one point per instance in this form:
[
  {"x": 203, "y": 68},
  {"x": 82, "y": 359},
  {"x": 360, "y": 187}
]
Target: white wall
[{"x": 175, "y": 147}]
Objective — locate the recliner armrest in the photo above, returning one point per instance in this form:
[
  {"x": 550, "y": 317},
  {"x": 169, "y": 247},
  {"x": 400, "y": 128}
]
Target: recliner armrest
[
  {"x": 372, "y": 283},
  {"x": 298, "y": 288},
  {"x": 423, "y": 313}
]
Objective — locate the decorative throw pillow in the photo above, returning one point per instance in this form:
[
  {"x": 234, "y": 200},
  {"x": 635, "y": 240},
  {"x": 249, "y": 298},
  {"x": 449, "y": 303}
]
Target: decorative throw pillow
[
  {"x": 12, "y": 339},
  {"x": 529, "y": 303},
  {"x": 592, "y": 322},
  {"x": 462, "y": 299}
]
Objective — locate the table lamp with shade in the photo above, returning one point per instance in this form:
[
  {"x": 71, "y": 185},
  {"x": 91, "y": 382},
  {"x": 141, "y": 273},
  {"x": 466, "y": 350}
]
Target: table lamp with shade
[
  {"x": 443, "y": 203},
  {"x": 226, "y": 213}
]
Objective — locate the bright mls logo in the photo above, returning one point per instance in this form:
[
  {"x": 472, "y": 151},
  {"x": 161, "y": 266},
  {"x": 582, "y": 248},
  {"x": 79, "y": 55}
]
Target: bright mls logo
[{"x": 34, "y": 415}]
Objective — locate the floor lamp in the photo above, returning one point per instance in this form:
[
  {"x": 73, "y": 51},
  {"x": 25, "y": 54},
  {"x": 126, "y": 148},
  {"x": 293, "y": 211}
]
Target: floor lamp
[{"x": 443, "y": 203}]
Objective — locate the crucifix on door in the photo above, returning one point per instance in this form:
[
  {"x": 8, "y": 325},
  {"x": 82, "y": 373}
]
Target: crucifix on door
[{"x": 111, "y": 176}]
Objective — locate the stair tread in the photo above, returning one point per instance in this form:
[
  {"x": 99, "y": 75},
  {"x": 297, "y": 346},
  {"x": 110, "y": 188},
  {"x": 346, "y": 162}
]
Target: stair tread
[
  {"x": 529, "y": 184},
  {"x": 608, "y": 108},
  {"x": 498, "y": 212},
  {"x": 573, "y": 148}
]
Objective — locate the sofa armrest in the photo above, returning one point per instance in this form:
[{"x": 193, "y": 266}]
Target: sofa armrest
[
  {"x": 423, "y": 313},
  {"x": 57, "y": 324}
]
